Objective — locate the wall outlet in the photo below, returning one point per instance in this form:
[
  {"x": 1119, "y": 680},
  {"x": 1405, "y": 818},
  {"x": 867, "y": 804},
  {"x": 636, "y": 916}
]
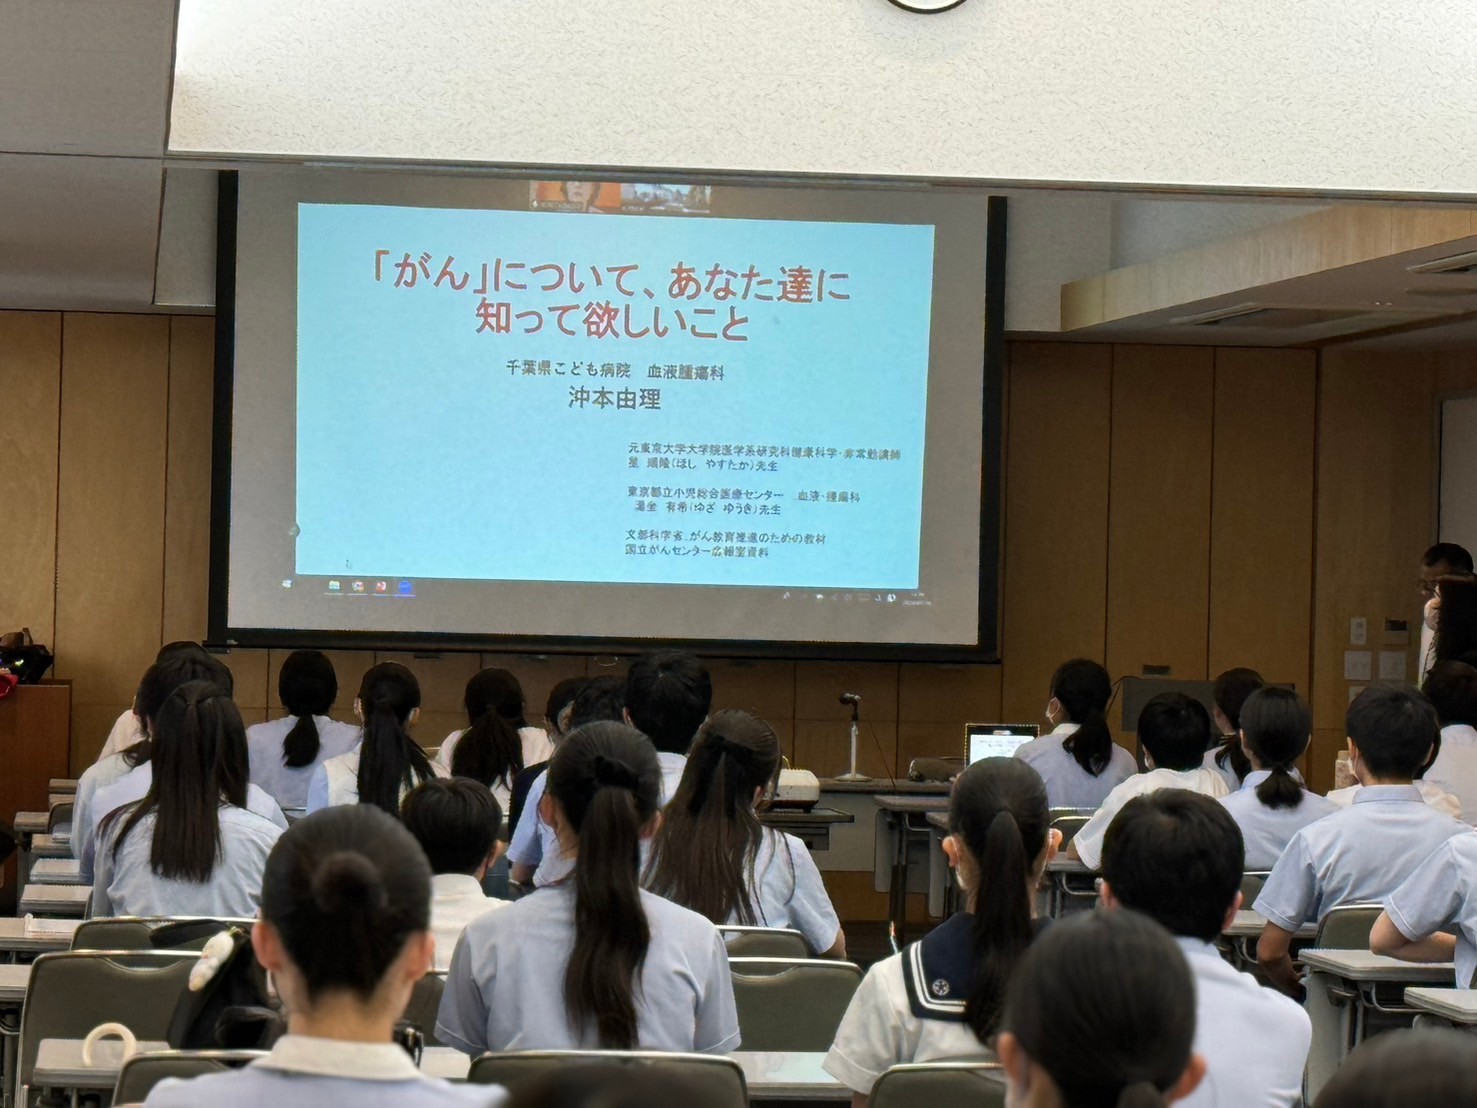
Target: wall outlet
[
  {"x": 1358, "y": 631},
  {"x": 1358, "y": 665}
]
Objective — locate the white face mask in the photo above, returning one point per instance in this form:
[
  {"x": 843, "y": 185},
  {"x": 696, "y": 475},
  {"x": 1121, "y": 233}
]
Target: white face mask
[{"x": 1050, "y": 718}]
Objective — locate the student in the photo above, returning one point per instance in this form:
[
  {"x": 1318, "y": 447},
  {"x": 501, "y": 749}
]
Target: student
[
  {"x": 387, "y": 763},
  {"x": 344, "y": 933},
  {"x": 1432, "y": 915},
  {"x": 1271, "y": 806},
  {"x": 1078, "y": 760},
  {"x": 456, "y": 822},
  {"x": 557, "y": 712},
  {"x": 285, "y": 752},
  {"x": 499, "y": 743},
  {"x": 1231, "y": 691},
  {"x": 1444, "y": 560},
  {"x": 1177, "y": 858},
  {"x": 594, "y": 961},
  {"x": 1173, "y": 730},
  {"x": 1451, "y": 688},
  {"x": 1406, "y": 1069},
  {"x": 1100, "y": 1014},
  {"x": 1361, "y": 852},
  {"x": 714, "y": 856},
  {"x": 189, "y": 847},
  {"x": 940, "y": 998},
  {"x": 128, "y": 729},
  {"x": 1455, "y": 606}
]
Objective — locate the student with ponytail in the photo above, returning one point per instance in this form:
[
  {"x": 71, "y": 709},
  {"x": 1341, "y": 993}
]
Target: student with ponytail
[
  {"x": 387, "y": 763},
  {"x": 714, "y": 856},
  {"x": 940, "y": 998},
  {"x": 285, "y": 752},
  {"x": 1271, "y": 806},
  {"x": 498, "y": 744},
  {"x": 1078, "y": 760},
  {"x": 593, "y": 961},
  {"x": 345, "y": 933},
  {"x": 1231, "y": 691}
]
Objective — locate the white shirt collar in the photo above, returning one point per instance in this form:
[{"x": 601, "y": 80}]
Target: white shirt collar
[
  {"x": 1065, "y": 729},
  {"x": 1255, "y": 778},
  {"x": 456, "y": 886},
  {"x": 667, "y": 760},
  {"x": 335, "y": 1058},
  {"x": 1198, "y": 948},
  {"x": 1374, "y": 794}
]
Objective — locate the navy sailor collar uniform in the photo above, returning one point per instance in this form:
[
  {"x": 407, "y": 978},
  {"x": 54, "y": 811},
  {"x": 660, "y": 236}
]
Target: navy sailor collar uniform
[{"x": 939, "y": 969}]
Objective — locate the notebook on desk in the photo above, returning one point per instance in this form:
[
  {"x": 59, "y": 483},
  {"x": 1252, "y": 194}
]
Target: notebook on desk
[{"x": 996, "y": 740}]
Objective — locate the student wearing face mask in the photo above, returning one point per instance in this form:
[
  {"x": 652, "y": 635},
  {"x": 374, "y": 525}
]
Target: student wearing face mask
[{"x": 1078, "y": 760}]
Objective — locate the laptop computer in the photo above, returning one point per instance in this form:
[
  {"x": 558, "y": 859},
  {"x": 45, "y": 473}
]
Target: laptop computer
[{"x": 996, "y": 740}]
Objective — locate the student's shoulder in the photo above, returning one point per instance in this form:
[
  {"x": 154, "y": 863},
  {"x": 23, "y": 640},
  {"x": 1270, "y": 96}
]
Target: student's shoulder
[{"x": 675, "y": 920}]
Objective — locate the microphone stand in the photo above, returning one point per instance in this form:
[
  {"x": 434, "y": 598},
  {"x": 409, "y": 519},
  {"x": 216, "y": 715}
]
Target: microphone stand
[{"x": 854, "y": 775}]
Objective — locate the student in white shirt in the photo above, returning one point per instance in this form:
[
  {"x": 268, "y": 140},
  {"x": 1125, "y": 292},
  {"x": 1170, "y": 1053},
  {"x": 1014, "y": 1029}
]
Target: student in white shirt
[
  {"x": 1173, "y": 730},
  {"x": 456, "y": 822},
  {"x": 1432, "y": 915},
  {"x": 714, "y": 856},
  {"x": 1362, "y": 852},
  {"x": 388, "y": 763},
  {"x": 1271, "y": 806},
  {"x": 285, "y": 752},
  {"x": 345, "y": 934},
  {"x": 189, "y": 847},
  {"x": 558, "y": 709},
  {"x": 594, "y": 962},
  {"x": 498, "y": 742},
  {"x": 1177, "y": 857},
  {"x": 1100, "y": 1011},
  {"x": 1078, "y": 760},
  {"x": 128, "y": 728},
  {"x": 1231, "y": 691},
  {"x": 1404, "y": 1069},
  {"x": 939, "y": 999},
  {"x": 1452, "y": 688}
]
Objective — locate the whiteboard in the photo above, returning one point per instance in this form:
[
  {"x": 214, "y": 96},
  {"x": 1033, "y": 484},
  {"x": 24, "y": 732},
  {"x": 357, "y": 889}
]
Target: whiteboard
[{"x": 1458, "y": 507}]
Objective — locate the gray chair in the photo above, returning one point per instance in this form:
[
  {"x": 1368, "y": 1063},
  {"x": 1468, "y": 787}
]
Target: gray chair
[
  {"x": 425, "y": 1003},
  {"x": 720, "y": 1078},
  {"x": 1251, "y": 886},
  {"x": 136, "y": 932},
  {"x": 791, "y": 1004},
  {"x": 765, "y": 942},
  {"x": 59, "y": 817},
  {"x": 1068, "y": 821},
  {"x": 940, "y": 1085},
  {"x": 1347, "y": 927},
  {"x": 142, "y": 1072}
]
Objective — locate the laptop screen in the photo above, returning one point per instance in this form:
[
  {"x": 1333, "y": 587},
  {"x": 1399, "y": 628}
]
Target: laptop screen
[{"x": 996, "y": 740}]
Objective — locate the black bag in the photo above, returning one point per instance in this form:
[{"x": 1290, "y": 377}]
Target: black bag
[
  {"x": 233, "y": 1010},
  {"x": 23, "y": 657}
]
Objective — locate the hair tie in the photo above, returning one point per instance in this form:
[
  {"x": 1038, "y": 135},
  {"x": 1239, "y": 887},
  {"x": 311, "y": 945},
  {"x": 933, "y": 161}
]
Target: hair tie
[{"x": 608, "y": 771}]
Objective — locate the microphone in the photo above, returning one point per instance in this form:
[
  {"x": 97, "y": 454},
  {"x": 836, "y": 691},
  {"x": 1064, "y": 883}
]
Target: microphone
[
  {"x": 851, "y": 698},
  {"x": 854, "y": 702}
]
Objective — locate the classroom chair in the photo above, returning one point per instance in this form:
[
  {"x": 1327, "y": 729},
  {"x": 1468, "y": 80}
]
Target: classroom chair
[
  {"x": 425, "y": 1002},
  {"x": 791, "y": 1004},
  {"x": 59, "y": 818},
  {"x": 940, "y": 1085},
  {"x": 73, "y": 991},
  {"x": 720, "y": 1077},
  {"x": 765, "y": 942},
  {"x": 1347, "y": 927},
  {"x": 139, "y": 1075},
  {"x": 1251, "y": 886},
  {"x": 137, "y": 932},
  {"x": 1069, "y": 821}
]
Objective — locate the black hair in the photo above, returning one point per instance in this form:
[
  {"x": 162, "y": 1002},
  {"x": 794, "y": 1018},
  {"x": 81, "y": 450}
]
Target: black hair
[
  {"x": 390, "y": 761},
  {"x": 1394, "y": 728},
  {"x": 1177, "y": 857},
  {"x": 561, "y": 696},
  {"x": 1175, "y": 729},
  {"x": 346, "y": 888},
  {"x": 187, "y": 662},
  {"x": 1277, "y": 724},
  {"x": 1231, "y": 691},
  {"x": 668, "y": 695},
  {"x": 607, "y": 782},
  {"x": 456, "y": 822},
  {"x": 1451, "y": 687},
  {"x": 704, "y": 854},
  {"x": 1453, "y": 554},
  {"x": 1105, "y": 1004},
  {"x": 1083, "y": 689},
  {"x": 490, "y": 750},
  {"x": 307, "y": 687},
  {"x": 600, "y": 699},
  {"x": 199, "y": 761},
  {"x": 1456, "y": 624},
  {"x": 999, "y": 812},
  {"x": 1406, "y": 1069}
]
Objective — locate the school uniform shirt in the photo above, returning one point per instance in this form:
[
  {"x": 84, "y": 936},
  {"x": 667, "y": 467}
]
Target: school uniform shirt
[
  {"x": 1089, "y": 840},
  {"x": 288, "y": 785},
  {"x": 456, "y": 900},
  {"x": 336, "y": 782},
  {"x": 1068, "y": 785},
  {"x": 1455, "y": 768},
  {"x": 1356, "y": 855},
  {"x": 84, "y": 820},
  {"x": 303, "y": 1072},
  {"x": 126, "y": 885},
  {"x": 504, "y": 991},
  {"x": 1441, "y": 895},
  {"x": 1267, "y": 831},
  {"x": 787, "y": 891},
  {"x": 1432, "y": 793},
  {"x": 1227, "y": 774},
  {"x": 1255, "y": 1041},
  {"x": 126, "y": 732},
  {"x": 536, "y": 748}
]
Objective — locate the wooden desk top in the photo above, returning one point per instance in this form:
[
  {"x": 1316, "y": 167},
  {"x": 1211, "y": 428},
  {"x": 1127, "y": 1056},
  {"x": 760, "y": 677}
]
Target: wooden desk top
[{"x": 913, "y": 805}]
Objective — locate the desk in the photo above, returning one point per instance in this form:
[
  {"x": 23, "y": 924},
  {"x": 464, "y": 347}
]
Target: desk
[
  {"x": 13, "y": 983},
  {"x": 813, "y": 828},
  {"x": 1456, "y": 1006},
  {"x": 1068, "y": 879},
  {"x": 14, "y": 939},
  {"x": 62, "y": 786},
  {"x": 906, "y": 817},
  {"x": 55, "y": 900},
  {"x": 57, "y": 871},
  {"x": 792, "y": 1075},
  {"x": 50, "y": 846},
  {"x": 32, "y": 823},
  {"x": 1241, "y": 938}
]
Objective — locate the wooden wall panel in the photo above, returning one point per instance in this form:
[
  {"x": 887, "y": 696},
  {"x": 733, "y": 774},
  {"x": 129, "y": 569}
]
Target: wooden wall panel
[
  {"x": 1261, "y": 553},
  {"x": 30, "y": 400},
  {"x": 187, "y": 477}
]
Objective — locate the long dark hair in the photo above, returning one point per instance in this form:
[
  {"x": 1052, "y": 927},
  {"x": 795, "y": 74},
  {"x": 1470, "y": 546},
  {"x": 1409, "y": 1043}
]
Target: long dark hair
[
  {"x": 1456, "y": 625},
  {"x": 307, "y": 687},
  {"x": 200, "y": 763},
  {"x": 703, "y": 856},
  {"x": 490, "y": 750},
  {"x": 606, "y": 780},
  {"x": 1232, "y": 689},
  {"x": 1277, "y": 724},
  {"x": 178, "y": 664},
  {"x": 389, "y": 759},
  {"x": 1083, "y": 689},
  {"x": 999, "y": 812}
]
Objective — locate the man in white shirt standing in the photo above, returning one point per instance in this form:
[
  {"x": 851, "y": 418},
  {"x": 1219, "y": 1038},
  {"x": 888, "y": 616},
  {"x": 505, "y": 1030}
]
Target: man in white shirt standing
[{"x": 1178, "y": 857}]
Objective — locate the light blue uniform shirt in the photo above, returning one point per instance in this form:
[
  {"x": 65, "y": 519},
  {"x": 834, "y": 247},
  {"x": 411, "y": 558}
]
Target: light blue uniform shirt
[
  {"x": 315, "y": 1073},
  {"x": 788, "y": 891},
  {"x": 1068, "y": 785},
  {"x": 1228, "y": 775},
  {"x": 336, "y": 781},
  {"x": 505, "y": 989},
  {"x": 288, "y": 785},
  {"x": 128, "y": 886},
  {"x": 1356, "y": 855},
  {"x": 1267, "y": 831},
  {"x": 84, "y": 820},
  {"x": 1439, "y": 896}
]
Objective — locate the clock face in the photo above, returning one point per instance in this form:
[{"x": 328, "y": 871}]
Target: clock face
[{"x": 926, "y": 7}]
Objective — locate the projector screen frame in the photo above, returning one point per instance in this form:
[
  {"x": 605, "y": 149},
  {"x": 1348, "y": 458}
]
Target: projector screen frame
[{"x": 984, "y": 650}]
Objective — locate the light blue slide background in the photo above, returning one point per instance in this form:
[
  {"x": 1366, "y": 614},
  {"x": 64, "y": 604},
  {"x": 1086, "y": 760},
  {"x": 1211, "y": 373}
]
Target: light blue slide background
[{"x": 419, "y": 455}]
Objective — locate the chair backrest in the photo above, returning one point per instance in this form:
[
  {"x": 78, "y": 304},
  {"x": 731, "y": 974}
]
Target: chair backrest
[
  {"x": 1251, "y": 886},
  {"x": 136, "y": 932},
  {"x": 791, "y": 1004},
  {"x": 60, "y": 816},
  {"x": 1347, "y": 927},
  {"x": 139, "y": 1075},
  {"x": 721, "y": 1078},
  {"x": 73, "y": 991},
  {"x": 1069, "y": 823},
  {"x": 764, "y": 942},
  {"x": 940, "y": 1085},
  {"x": 425, "y": 1002}
]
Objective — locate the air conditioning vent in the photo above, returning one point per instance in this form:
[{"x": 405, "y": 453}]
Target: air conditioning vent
[{"x": 1249, "y": 315}]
